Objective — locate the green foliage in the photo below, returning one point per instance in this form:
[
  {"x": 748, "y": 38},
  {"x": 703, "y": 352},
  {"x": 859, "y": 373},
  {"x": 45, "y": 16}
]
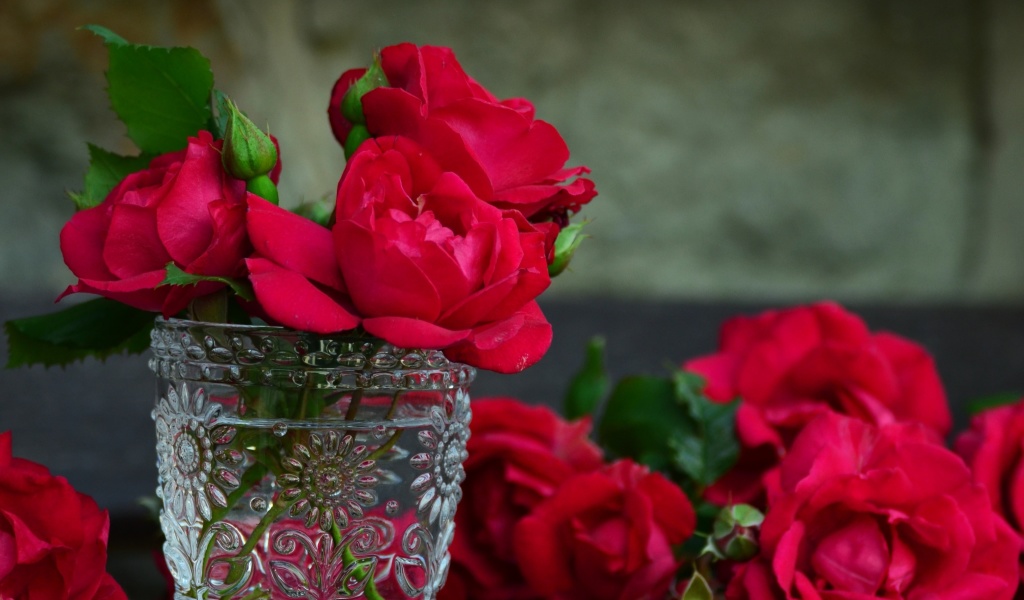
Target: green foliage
[
  {"x": 979, "y": 405},
  {"x": 568, "y": 240},
  {"x": 161, "y": 94},
  {"x": 352, "y": 102},
  {"x": 669, "y": 425},
  {"x": 641, "y": 416},
  {"x": 176, "y": 276},
  {"x": 707, "y": 447},
  {"x": 697, "y": 588},
  {"x": 218, "y": 124},
  {"x": 106, "y": 170},
  {"x": 590, "y": 384},
  {"x": 319, "y": 211},
  {"x": 97, "y": 328}
]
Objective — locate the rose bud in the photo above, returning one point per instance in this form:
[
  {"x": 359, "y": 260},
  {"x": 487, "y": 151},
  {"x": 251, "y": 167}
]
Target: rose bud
[
  {"x": 735, "y": 532},
  {"x": 568, "y": 240},
  {"x": 352, "y": 103},
  {"x": 248, "y": 152}
]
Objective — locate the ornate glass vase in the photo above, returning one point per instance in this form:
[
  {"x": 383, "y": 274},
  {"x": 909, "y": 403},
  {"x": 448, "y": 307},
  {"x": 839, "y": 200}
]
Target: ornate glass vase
[{"x": 295, "y": 465}]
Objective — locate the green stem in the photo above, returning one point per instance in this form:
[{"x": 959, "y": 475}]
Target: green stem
[
  {"x": 370, "y": 591},
  {"x": 257, "y": 532},
  {"x": 388, "y": 445},
  {"x": 353, "y": 408}
]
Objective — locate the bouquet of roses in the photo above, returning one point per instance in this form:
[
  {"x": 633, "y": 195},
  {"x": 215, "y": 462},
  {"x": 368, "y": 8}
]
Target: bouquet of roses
[
  {"x": 450, "y": 218},
  {"x": 802, "y": 460}
]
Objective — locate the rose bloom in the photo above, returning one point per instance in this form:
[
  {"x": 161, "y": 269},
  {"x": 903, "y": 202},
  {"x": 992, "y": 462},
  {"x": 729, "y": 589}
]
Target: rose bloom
[
  {"x": 183, "y": 209},
  {"x": 519, "y": 455},
  {"x": 53, "y": 540},
  {"x": 606, "y": 535},
  {"x": 789, "y": 366},
  {"x": 505, "y": 155},
  {"x": 873, "y": 512},
  {"x": 994, "y": 450},
  {"x": 415, "y": 258}
]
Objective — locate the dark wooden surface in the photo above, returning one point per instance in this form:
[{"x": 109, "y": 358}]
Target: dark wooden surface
[{"x": 91, "y": 422}]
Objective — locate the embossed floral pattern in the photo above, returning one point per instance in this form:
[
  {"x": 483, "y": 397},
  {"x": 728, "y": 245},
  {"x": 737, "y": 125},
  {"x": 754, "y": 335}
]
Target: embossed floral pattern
[
  {"x": 325, "y": 573},
  {"x": 438, "y": 488},
  {"x": 191, "y": 476},
  {"x": 331, "y": 480}
]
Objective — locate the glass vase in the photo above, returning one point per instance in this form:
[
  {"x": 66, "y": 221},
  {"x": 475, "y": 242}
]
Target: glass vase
[{"x": 296, "y": 465}]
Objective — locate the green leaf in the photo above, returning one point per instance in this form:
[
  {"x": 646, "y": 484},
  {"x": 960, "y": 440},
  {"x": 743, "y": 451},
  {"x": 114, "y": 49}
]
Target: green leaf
[
  {"x": 319, "y": 211},
  {"x": 642, "y": 414},
  {"x": 590, "y": 384},
  {"x": 697, "y": 588},
  {"x": 161, "y": 94},
  {"x": 979, "y": 405},
  {"x": 219, "y": 114},
  {"x": 707, "y": 447},
  {"x": 106, "y": 170},
  {"x": 175, "y": 276},
  {"x": 97, "y": 328}
]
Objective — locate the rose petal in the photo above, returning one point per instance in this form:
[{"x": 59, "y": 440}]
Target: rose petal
[
  {"x": 81, "y": 242},
  {"x": 382, "y": 281},
  {"x": 413, "y": 333},
  {"x": 508, "y": 346},
  {"x": 295, "y": 243},
  {"x": 291, "y": 300},
  {"x": 132, "y": 245}
]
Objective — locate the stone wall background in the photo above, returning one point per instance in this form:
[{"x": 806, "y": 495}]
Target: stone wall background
[{"x": 864, "y": 150}]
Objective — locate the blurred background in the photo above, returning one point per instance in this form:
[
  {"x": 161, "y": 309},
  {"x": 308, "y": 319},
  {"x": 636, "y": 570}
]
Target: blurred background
[
  {"x": 747, "y": 155},
  {"x": 780, "y": 151}
]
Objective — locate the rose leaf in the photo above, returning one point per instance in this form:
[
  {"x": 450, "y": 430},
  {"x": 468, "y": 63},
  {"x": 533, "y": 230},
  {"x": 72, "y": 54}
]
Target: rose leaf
[
  {"x": 705, "y": 451},
  {"x": 161, "y": 94},
  {"x": 642, "y": 414},
  {"x": 106, "y": 170},
  {"x": 590, "y": 384},
  {"x": 98, "y": 328}
]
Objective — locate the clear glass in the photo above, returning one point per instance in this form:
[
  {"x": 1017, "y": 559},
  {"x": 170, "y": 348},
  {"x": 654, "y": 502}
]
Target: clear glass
[{"x": 295, "y": 465}]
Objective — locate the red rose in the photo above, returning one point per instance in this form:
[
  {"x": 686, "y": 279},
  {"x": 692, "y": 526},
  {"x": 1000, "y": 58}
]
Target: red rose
[
  {"x": 53, "y": 540},
  {"x": 519, "y": 455},
  {"x": 507, "y": 157},
  {"x": 867, "y": 512},
  {"x": 790, "y": 366},
  {"x": 606, "y": 535},
  {"x": 184, "y": 209},
  {"x": 994, "y": 449},
  {"x": 416, "y": 256}
]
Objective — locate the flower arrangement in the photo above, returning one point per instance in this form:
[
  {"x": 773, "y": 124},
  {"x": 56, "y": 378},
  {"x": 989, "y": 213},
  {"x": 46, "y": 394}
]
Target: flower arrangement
[
  {"x": 313, "y": 364},
  {"x": 451, "y": 216},
  {"x": 802, "y": 460}
]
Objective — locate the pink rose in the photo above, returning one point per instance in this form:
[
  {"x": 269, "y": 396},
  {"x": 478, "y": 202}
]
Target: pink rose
[
  {"x": 606, "y": 535},
  {"x": 994, "y": 450},
  {"x": 183, "y": 209},
  {"x": 414, "y": 257},
  {"x": 519, "y": 455},
  {"x": 53, "y": 540},
  {"x": 506, "y": 156},
  {"x": 789, "y": 366},
  {"x": 878, "y": 512}
]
